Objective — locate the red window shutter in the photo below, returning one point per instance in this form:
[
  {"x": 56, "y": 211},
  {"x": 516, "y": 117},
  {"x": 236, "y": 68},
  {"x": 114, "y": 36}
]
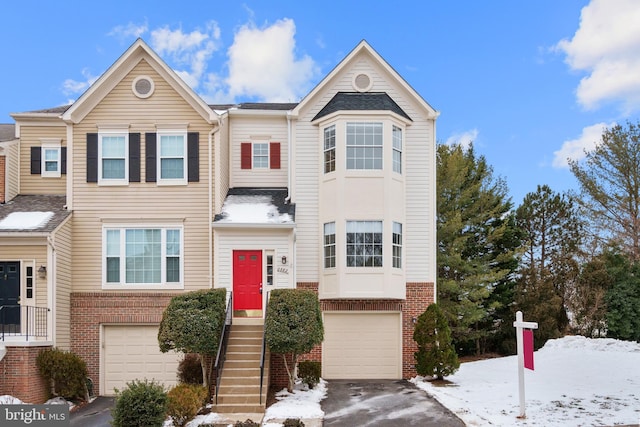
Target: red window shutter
[
  {"x": 274, "y": 153},
  {"x": 245, "y": 155}
]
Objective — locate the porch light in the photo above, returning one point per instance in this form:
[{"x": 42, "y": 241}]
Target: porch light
[
  {"x": 284, "y": 259},
  {"x": 42, "y": 272}
]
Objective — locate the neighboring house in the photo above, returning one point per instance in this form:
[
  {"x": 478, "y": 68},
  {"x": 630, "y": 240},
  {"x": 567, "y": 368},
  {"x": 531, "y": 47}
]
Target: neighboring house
[{"x": 140, "y": 191}]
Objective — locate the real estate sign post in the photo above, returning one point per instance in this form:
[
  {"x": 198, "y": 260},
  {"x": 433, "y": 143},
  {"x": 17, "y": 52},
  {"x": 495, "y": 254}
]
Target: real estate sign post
[{"x": 524, "y": 341}]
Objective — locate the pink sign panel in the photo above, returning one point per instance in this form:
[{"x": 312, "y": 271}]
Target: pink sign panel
[{"x": 527, "y": 339}]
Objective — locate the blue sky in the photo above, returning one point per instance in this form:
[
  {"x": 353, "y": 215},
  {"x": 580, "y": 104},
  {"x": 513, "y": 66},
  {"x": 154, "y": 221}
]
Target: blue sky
[{"x": 530, "y": 82}]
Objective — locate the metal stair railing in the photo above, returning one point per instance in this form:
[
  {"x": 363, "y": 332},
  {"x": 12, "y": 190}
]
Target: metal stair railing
[
  {"x": 222, "y": 346},
  {"x": 264, "y": 346}
]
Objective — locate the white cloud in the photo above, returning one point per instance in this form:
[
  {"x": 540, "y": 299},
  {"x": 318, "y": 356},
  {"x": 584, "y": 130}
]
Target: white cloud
[
  {"x": 574, "y": 149},
  {"x": 607, "y": 47},
  {"x": 263, "y": 64},
  {"x": 464, "y": 139},
  {"x": 189, "y": 51},
  {"x": 125, "y": 32},
  {"x": 74, "y": 87}
]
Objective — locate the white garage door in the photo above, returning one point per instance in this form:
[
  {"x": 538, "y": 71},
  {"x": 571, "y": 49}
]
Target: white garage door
[
  {"x": 362, "y": 346},
  {"x": 132, "y": 352}
]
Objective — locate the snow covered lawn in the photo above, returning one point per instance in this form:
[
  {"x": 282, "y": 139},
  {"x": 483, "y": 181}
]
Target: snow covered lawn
[{"x": 577, "y": 381}]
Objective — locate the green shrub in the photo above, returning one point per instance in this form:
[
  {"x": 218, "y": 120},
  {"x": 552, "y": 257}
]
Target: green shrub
[
  {"x": 310, "y": 372},
  {"x": 436, "y": 355},
  {"x": 190, "y": 369},
  {"x": 185, "y": 400},
  {"x": 65, "y": 371},
  {"x": 140, "y": 404},
  {"x": 247, "y": 423},
  {"x": 292, "y": 422}
]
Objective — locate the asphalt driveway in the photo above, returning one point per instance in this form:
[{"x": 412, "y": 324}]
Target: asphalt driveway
[
  {"x": 94, "y": 414},
  {"x": 383, "y": 403}
]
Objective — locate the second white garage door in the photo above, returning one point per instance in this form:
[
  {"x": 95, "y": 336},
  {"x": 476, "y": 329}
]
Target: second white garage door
[
  {"x": 132, "y": 352},
  {"x": 362, "y": 346}
]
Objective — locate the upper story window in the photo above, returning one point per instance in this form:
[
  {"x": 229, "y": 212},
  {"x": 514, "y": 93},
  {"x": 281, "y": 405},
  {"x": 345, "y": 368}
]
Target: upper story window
[
  {"x": 51, "y": 160},
  {"x": 396, "y": 133},
  {"x": 397, "y": 245},
  {"x": 172, "y": 158},
  {"x": 143, "y": 256},
  {"x": 260, "y": 155},
  {"x": 364, "y": 145},
  {"x": 330, "y": 149},
  {"x": 364, "y": 243},
  {"x": 330, "y": 245},
  {"x": 113, "y": 160}
]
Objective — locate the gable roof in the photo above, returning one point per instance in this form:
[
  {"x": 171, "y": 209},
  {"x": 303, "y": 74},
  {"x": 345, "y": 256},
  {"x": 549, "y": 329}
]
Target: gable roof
[
  {"x": 130, "y": 58},
  {"x": 358, "y": 101},
  {"x": 363, "y": 46}
]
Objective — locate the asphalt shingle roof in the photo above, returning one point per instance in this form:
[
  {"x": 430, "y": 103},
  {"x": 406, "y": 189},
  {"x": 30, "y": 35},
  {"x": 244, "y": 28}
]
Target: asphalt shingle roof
[
  {"x": 43, "y": 203},
  {"x": 7, "y": 132},
  {"x": 356, "y": 101},
  {"x": 277, "y": 198}
]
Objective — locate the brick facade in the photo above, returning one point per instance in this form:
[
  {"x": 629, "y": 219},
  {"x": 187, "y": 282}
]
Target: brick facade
[
  {"x": 419, "y": 296},
  {"x": 90, "y": 310},
  {"x": 19, "y": 375}
]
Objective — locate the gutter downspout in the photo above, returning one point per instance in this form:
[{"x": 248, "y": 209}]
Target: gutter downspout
[
  {"x": 434, "y": 213},
  {"x": 51, "y": 292},
  {"x": 213, "y": 131},
  {"x": 289, "y": 167}
]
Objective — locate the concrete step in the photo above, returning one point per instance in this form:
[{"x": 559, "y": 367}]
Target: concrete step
[
  {"x": 231, "y": 408},
  {"x": 245, "y": 399},
  {"x": 227, "y": 381},
  {"x": 241, "y": 372},
  {"x": 240, "y": 389},
  {"x": 233, "y": 363}
]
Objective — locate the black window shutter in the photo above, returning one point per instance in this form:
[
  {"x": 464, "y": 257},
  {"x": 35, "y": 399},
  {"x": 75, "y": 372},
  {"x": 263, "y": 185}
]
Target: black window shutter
[
  {"x": 63, "y": 160},
  {"x": 193, "y": 152},
  {"x": 150, "y": 160},
  {"x": 92, "y": 157},
  {"x": 36, "y": 160},
  {"x": 134, "y": 157}
]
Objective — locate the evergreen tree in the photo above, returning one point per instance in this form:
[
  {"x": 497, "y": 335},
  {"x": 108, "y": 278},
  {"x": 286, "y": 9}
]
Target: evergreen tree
[
  {"x": 623, "y": 298},
  {"x": 436, "y": 355},
  {"x": 472, "y": 208},
  {"x": 587, "y": 302},
  {"x": 549, "y": 267}
]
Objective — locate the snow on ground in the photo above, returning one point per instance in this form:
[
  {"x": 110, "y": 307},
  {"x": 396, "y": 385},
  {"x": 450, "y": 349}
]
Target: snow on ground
[
  {"x": 577, "y": 381},
  {"x": 299, "y": 404}
]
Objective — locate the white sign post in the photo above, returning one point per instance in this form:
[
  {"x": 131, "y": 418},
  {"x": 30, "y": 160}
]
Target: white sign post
[{"x": 520, "y": 325}]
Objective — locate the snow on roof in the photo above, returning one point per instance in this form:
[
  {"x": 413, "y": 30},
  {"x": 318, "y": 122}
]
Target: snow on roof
[
  {"x": 252, "y": 209},
  {"x": 25, "y": 220}
]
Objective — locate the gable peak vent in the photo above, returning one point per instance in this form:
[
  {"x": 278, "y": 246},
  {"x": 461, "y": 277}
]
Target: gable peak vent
[
  {"x": 362, "y": 82},
  {"x": 143, "y": 86}
]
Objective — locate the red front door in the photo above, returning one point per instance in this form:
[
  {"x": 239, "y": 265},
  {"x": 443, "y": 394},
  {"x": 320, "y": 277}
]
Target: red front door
[{"x": 247, "y": 280}]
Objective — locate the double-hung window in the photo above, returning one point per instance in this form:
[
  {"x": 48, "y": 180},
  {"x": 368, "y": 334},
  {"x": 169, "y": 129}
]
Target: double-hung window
[
  {"x": 364, "y": 243},
  {"x": 397, "y": 245},
  {"x": 143, "y": 256},
  {"x": 397, "y": 149},
  {"x": 260, "y": 155},
  {"x": 364, "y": 145},
  {"x": 330, "y": 149},
  {"x": 51, "y": 160},
  {"x": 113, "y": 160},
  {"x": 172, "y": 157},
  {"x": 330, "y": 245}
]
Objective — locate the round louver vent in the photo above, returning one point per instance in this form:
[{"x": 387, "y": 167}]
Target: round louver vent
[
  {"x": 142, "y": 86},
  {"x": 362, "y": 82}
]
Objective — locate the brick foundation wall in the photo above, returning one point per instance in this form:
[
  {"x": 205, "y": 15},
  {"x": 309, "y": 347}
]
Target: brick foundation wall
[
  {"x": 3, "y": 165},
  {"x": 418, "y": 297},
  {"x": 89, "y": 310},
  {"x": 19, "y": 375}
]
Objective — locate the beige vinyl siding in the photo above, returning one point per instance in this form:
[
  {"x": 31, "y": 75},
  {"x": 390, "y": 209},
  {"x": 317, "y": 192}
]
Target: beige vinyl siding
[
  {"x": 258, "y": 129},
  {"x": 61, "y": 239},
  {"x": 12, "y": 171},
  {"x": 140, "y": 203},
  {"x": 30, "y": 252},
  {"x": 278, "y": 242},
  {"x": 419, "y": 171},
  {"x": 221, "y": 165},
  {"x": 30, "y": 136}
]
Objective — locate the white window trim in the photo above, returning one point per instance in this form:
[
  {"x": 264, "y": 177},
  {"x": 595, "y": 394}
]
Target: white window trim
[
  {"x": 397, "y": 150},
  {"x": 253, "y": 154},
  {"x": 111, "y": 181},
  {"x": 122, "y": 285},
  {"x": 43, "y": 170},
  {"x": 330, "y": 149},
  {"x": 347, "y": 146},
  {"x": 185, "y": 162},
  {"x": 382, "y": 245}
]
